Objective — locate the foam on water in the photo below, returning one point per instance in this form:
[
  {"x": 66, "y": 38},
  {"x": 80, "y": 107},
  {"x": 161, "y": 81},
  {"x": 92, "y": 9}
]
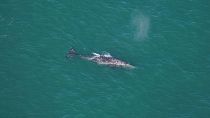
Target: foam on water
[{"x": 106, "y": 54}]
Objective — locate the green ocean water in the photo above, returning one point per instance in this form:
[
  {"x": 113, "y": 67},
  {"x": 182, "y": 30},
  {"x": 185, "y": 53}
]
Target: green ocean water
[{"x": 167, "y": 41}]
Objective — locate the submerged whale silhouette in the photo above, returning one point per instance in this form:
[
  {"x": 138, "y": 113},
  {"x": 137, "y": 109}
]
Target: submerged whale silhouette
[{"x": 102, "y": 59}]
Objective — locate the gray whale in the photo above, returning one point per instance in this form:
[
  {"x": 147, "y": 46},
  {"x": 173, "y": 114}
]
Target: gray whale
[{"x": 102, "y": 59}]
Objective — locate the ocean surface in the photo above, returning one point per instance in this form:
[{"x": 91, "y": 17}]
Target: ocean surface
[{"x": 168, "y": 41}]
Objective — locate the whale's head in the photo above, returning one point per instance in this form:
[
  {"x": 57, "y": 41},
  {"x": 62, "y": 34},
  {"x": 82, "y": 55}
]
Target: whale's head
[{"x": 129, "y": 66}]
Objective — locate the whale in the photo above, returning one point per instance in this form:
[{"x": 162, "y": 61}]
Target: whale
[{"x": 101, "y": 59}]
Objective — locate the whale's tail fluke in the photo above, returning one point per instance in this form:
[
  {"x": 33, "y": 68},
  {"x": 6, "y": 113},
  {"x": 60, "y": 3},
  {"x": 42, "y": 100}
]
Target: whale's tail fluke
[{"x": 71, "y": 53}]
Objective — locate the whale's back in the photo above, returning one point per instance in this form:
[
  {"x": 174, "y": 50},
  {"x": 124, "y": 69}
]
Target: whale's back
[{"x": 110, "y": 61}]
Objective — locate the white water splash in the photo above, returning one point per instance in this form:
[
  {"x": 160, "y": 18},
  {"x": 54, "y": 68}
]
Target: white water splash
[
  {"x": 141, "y": 24},
  {"x": 106, "y": 54}
]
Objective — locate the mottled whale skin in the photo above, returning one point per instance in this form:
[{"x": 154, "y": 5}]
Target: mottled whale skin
[{"x": 103, "y": 59}]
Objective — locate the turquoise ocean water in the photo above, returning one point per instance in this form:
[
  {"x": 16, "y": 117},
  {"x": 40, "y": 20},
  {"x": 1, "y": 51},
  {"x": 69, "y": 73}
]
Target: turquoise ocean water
[{"x": 167, "y": 40}]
